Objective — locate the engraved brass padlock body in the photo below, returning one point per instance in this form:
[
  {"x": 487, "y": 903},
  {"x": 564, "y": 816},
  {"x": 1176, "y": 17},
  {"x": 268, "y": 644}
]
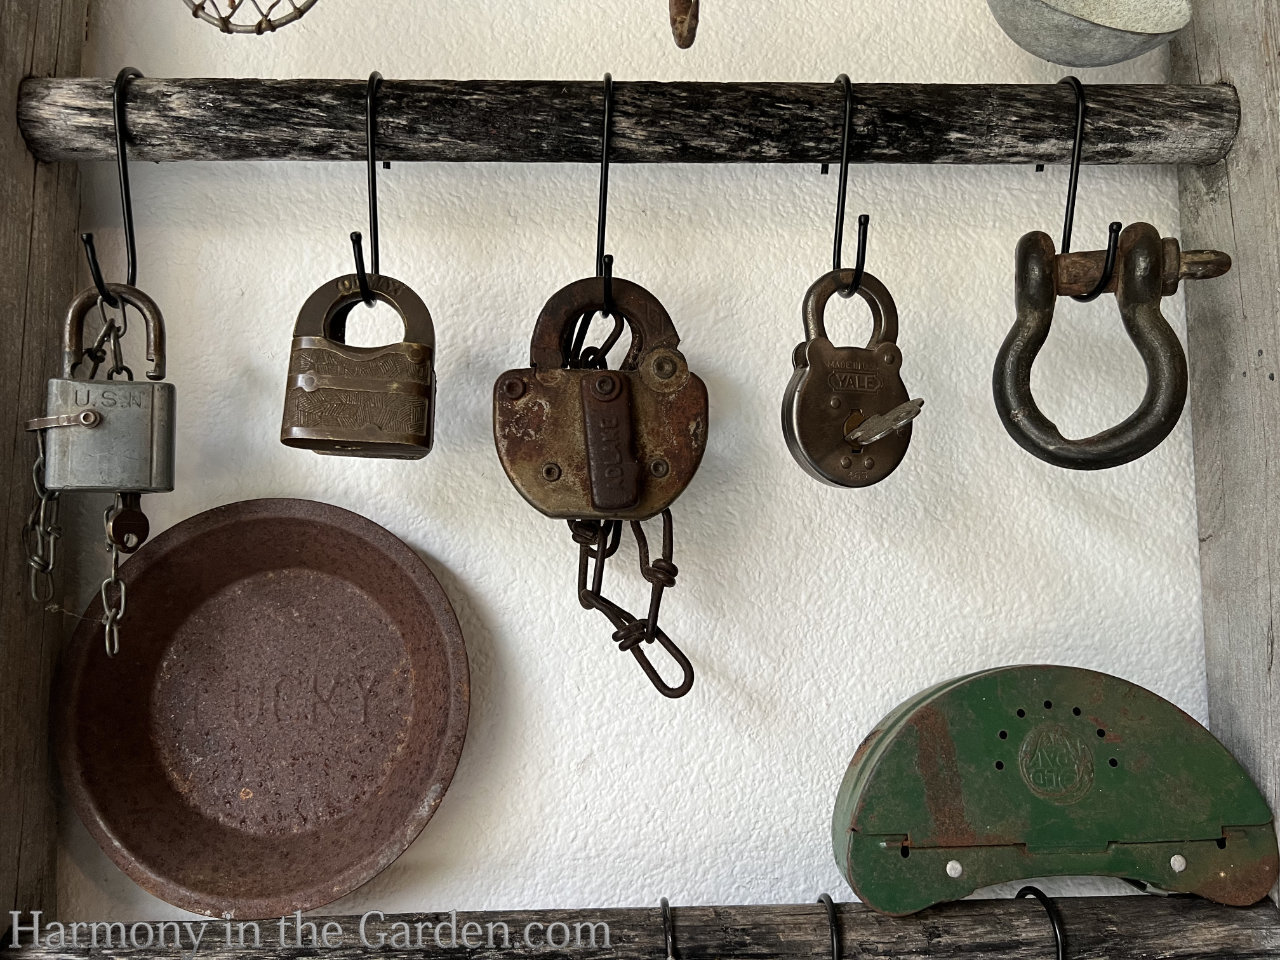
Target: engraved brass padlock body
[
  {"x": 360, "y": 401},
  {"x": 833, "y": 389},
  {"x": 121, "y": 432},
  {"x": 601, "y": 444}
]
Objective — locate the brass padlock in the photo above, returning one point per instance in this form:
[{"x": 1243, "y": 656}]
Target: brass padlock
[
  {"x": 360, "y": 401},
  {"x": 109, "y": 435},
  {"x": 601, "y": 444},
  {"x": 846, "y": 415}
]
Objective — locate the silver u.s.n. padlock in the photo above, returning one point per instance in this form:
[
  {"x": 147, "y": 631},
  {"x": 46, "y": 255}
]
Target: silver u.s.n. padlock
[{"x": 109, "y": 435}]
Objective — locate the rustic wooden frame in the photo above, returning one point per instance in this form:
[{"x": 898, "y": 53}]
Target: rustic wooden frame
[
  {"x": 39, "y": 214},
  {"x": 1230, "y": 200}
]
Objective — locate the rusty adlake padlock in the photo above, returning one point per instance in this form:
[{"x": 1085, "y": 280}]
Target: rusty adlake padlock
[
  {"x": 846, "y": 415},
  {"x": 1147, "y": 269},
  {"x": 601, "y": 444},
  {"x": 109, "y": 435},
  {"x": 360, "y": 401}
]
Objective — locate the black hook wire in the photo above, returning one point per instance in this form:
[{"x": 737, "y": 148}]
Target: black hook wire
[
  {"x": 119, "y": 91},
  {"x": 832, "y": 922},
  {"x": 1055, "y": 918},
  {"x": 863, "y": 220},
  {"x": 603, "y": 211},
  {"x": 371, "y": 162},
  {"x": 668, "y": 930},
  {"x": 1113, "y": 232}
]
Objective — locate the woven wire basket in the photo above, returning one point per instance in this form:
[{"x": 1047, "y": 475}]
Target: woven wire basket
[{"x": 249, "y": 16}]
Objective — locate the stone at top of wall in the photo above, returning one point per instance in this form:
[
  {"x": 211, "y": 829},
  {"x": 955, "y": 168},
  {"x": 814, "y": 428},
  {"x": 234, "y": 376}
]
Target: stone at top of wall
[{"x": 1090, "y": 33}]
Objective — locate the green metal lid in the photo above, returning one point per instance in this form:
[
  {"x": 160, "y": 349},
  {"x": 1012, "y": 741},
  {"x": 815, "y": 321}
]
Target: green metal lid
[{"x": 1037, "y": 771}]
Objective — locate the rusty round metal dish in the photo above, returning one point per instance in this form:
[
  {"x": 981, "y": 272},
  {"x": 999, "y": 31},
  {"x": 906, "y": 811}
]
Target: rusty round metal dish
[{"x": 284, "y": 716}]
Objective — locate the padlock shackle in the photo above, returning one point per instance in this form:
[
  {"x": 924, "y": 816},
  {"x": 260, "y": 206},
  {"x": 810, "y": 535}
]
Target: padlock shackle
[
  {"x": 324, "y": 314},
  {"x": 85, "y": 300},
  {"x": 650, "y": 324},
  {"x": 884, "y": 312},
  {"x": 1140, "y": 269}
]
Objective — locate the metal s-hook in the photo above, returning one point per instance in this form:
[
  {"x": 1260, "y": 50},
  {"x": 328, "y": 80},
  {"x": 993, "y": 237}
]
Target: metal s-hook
[
  {"x": 595, "y": 357},
  {"x": 863, "y": 220},
  {"x": 668, "y": 930},
  {"x": 118, "y": 93},
  {"x": 1113, "y": 232},
  {"x": 603, "y": 210},
  {"x": 832, "y": 922},
  {"x": 1055, "y": 918},
  {"x": 370, "y": 135}
]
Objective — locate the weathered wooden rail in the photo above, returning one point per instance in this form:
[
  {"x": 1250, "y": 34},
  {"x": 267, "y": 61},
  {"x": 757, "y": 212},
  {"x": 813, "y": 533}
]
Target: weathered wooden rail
[
  {"x": 1116, "y": 928},
  {"x": 559, "y": 121}
]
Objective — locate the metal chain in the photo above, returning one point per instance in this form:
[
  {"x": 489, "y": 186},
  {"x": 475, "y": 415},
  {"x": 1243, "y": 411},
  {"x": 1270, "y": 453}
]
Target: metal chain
[
  {"x": 598, "y": 540},
  {"x": 41, "y": 532},
  {"x": 112, "y": 609},
  {"x": 118, "y": 330}
]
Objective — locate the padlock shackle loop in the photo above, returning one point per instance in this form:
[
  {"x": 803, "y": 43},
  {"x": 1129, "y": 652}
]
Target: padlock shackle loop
[
  {"x": 884, "y": 313},
  {"x": 122, "y": 293},
  {"x": 324, "y": 313},
  {"x": 1138, "y": 294},
  {"x": 650, "y": 324}
]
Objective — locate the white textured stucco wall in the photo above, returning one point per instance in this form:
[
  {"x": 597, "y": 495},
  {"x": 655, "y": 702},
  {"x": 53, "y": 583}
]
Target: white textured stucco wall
[{"x": 809, "y": 612}]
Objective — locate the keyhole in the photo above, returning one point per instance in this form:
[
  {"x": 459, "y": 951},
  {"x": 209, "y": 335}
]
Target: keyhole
[
  {"x": 851, "y": 424},
  {"x": 374, "y": 326}
]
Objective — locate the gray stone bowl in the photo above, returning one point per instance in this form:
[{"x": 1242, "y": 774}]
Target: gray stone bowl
[{"x": 1090, "y": 33}]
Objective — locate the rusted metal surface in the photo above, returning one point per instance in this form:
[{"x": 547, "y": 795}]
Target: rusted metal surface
[
  {"x": 283, "y": 721},
  {"x": 1146, "y": 267},
  {"x": 835, "y": 390},
  {"x": 1078, "y": 273},
  {"x": 684, "y": 22},
  {"x": 540, "y": 420},
  {"x": 361, "y": 401},
  {"x": 1023, "y": 772}
]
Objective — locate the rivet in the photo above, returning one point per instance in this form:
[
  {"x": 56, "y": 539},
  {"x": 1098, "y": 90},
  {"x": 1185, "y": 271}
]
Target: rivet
[
  {"x": 664, "y": 368},
  {"x": 551, "y": 472},
  {"x": 659, "y": 468},
  {"x": 954, "y": 870},
  {"x": 605, "y": 386},
  {"x": 846, "y": 462},
  {"x": 513, "y": 388},
  {"x": 1178, "y": 862},
  {"x": 834, "y": 403},
  {"x": 869, "y": 462}
]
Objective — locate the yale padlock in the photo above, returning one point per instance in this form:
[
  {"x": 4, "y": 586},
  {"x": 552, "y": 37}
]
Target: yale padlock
[
  {"x": 109, "y": 435},
  {"x": 846, "y": 415},
  {"x": 360, "y": 401},
  {"x": 601, "y": 444}
]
